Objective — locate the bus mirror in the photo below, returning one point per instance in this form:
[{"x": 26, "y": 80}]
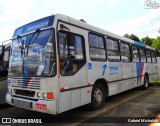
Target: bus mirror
[{"x": 64, "y": 27}]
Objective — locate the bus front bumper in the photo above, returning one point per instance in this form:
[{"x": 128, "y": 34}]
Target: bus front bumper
[{"x": 44, "y": 106}]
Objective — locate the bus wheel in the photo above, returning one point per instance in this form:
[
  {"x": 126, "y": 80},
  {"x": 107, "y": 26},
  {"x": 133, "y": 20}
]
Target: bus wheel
[
  {"x": 98, "y": 97},
  {"x": 146, "y": 82}
]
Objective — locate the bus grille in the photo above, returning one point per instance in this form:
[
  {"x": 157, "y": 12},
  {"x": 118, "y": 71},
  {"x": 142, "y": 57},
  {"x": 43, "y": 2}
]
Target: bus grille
[
  {"x": 30, "y": 83},
  {"x": 25, "y": 93}
]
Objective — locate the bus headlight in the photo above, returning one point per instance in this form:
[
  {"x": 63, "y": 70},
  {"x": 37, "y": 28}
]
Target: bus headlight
[
  {"x": 44, "y": 95},
  {"x": 38, "y": 94}
]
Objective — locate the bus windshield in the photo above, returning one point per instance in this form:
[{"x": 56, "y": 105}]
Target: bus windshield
[{"x": 33, "y": 55}]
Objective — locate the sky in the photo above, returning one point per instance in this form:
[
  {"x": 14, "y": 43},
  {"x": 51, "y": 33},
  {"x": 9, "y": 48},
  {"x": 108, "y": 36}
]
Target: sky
[{"x": 139, "y": 17}]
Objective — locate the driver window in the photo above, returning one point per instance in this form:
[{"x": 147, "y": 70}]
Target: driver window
[{"x": 71, "y": 50}]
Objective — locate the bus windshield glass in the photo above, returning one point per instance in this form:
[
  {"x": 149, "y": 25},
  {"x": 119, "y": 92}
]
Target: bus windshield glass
[{"x": 33, "y": 55}]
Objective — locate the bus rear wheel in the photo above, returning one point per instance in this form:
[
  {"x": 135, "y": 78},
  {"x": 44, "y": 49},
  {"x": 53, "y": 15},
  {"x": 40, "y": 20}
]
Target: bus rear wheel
[
  {"x": 98, "y": 97},
  {"x": 146, "y": 82}
]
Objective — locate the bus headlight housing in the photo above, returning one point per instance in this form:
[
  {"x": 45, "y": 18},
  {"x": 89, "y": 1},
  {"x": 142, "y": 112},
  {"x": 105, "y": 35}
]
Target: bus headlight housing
[
  {"x": 44, "y": 95},
  {"x": 38, "y": 94}
]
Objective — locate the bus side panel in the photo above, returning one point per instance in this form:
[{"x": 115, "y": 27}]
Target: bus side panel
[
  {"x": 65, "y": 101},
  {"x": 138, "y": 70},
  {"x": 75, "y": 98},
  {"x": 114, "y": 71},
  {"x": 86, "y": 95},
  {"x": 149, "y": 70},
  {"x": 155, "y": 71},
  {"x": 112, "y": 88}
]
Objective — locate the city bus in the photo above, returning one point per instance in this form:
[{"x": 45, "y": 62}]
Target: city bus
[
  {"x": 4, "y": 61},
  {"x": 58, "y": 63}
]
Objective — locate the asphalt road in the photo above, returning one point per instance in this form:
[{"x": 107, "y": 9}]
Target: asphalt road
[
  {"x": 133, "y": 103},
  {"x": 3, "y": 90}
]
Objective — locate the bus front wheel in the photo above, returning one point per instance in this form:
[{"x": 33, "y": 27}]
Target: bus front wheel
[{"x": 97, "y": 97}]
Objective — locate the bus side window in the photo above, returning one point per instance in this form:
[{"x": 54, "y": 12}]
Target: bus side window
[
  {"x": 148, "y": 55},
  {"x": 97, "y": 47},
  {"x": 153, "y": 54},
  {"x": 142, "y": 54},
  {"x": 113, "y": 50},
  {"x": 125, "y": 52},
  {"x": 135, "y": 54},
  {"x": 71, "y": 49}
]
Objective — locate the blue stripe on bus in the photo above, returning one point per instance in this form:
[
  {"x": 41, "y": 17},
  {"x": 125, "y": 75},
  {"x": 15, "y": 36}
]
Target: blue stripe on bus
[{"x": 139, "y": 44}]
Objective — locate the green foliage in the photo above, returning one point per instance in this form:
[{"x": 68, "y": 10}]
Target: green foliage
[
  {"x": 133, "y": 37},
  {"x": 146, "y": 40},
  {"x": 126, "y": 35},
  {"x": 156, "y": 45}
]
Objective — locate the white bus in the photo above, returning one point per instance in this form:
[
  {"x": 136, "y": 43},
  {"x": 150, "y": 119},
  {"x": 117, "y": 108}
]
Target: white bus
[
  {"x": 4, "y": 61},
  {"x": 58, "y": 63}
]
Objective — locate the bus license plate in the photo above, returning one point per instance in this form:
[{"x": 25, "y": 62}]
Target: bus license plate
[{"x": 24, "y": 104}]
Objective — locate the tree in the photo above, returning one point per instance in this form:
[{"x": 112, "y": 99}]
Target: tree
[
  {"x": 133, "y": 37},
  {"x": 146, "y": 40},
  {"x": 126, "y": 35},
  {"x": 156, "y": 45}
]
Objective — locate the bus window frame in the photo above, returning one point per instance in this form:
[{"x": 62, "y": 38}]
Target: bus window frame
[
  {"x": 133, "y": 54},
  {"x": 121, "y": 41},
  {"x": 150, "y": 55},
  {"x": 118, "y": 41},
  {"x": 144, "y": 55},
  {"x": 84, "y": 50},
  {"x": 104, "y": 43},
  {"x": 154, "y": 55}
]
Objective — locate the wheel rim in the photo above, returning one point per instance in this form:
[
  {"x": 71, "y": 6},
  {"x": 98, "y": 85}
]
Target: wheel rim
[
  {"x": 146, "y": 84},
  {"x": 98, "y": 96}
]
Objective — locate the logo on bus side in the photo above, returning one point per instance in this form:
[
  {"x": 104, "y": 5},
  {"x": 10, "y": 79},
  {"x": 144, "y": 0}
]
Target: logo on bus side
[{"x": 89, "y": 66}]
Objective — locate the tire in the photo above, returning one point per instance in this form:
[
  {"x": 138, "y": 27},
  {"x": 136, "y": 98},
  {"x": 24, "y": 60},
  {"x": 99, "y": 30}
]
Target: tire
[
  {"x": 97, "y": 97},
  {"x": 146, "y": 83}
]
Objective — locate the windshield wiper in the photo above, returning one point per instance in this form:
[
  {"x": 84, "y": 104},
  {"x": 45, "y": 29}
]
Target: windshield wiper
[{"x": 37, "y": 32}]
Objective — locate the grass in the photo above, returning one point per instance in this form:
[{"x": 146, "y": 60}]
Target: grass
[{"x": 156, "y": 81}]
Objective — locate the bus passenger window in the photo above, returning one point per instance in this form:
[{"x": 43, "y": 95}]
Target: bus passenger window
[
  {"x": 113, "y": 50},
  {"x": 153, "y": 57},
  {"x": 135, "y": 54},
  {"x": 71, "y": 49},
  {"x": 142, "y": 54},
  {"x": 148, "y": 55},
  {"x": 96, "y": 47},
  {"x": 125, "y": 52}
]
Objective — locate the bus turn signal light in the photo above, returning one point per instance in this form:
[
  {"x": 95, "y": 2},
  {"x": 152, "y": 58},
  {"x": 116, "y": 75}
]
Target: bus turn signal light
[{"x": 50, "y": 95}]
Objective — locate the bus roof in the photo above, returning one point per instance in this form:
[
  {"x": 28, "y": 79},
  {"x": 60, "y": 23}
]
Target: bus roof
[{"x": 48, "y": 21}]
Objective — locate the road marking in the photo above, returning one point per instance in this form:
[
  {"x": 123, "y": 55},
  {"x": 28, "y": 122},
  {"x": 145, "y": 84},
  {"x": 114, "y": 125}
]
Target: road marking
[{"x": 104, "y": 109}]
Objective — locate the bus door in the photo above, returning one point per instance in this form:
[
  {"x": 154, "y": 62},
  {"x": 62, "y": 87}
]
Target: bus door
[
  {"x": 127, "y": 66},
  {"x": 138, "y": 67},
  {"x": 114, "y": 66},
  {"x": 72, "y": 67}
]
